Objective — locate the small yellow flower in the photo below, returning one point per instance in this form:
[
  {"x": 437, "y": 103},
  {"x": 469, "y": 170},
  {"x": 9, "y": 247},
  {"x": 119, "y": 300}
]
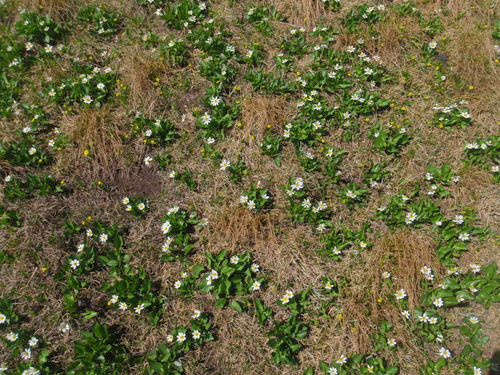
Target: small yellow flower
[
  {"x": 471, "y": 87},
  {"x": 379, "y": 300},
  {"x": 44, "y": 269},
  {"x": 99, "y": 183},
  {"x": 340, "y": 316},
  {"x": 89, "y": 218},
  {"x": 86, "y": 152}
]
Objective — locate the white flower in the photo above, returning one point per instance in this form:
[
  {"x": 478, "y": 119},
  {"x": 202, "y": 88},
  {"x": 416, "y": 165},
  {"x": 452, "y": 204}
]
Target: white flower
[
  {"x": 165, "y": 228},
  {"x": 224, "y": 164},
  {"x": 114, "y": 299},
  {"x": 126, "y": 200},
  {"x": 31, "y": 371},
  {"x": 254, "y": 267},
  {"x": 386, "y": 275},
  {"x": 26, "y": 354},
  {"x": 139, "y": 308},
  {"x": 410, "y": 217},
  {"x": 432, "y": 45},
  {"x": 74, "y": 263},
  {"x": 11, "y": 336},
  {"x": 87, "y": 99},
  {"x": 215, "y": 101},
  {"x": 148, "y": 160},
  {"x": 33, "y": 341},
  {"x": 3, "y": 318},
  {"x": 400, "y": 294},
  {"x": 464, "y": 236},
  {"x": 391, "y": 342},
  {"x": 103, "y": 237},
  {"x": 196, "y": 334},
  {"x": 406, "y": 314},
  {"x": 473, "y": 320},
  {"x": 477, "y": 371},
  {"x": 32, "y": 151},
  {"x": 141, "y": 206},
  {"x": 64, "y": 327},
  {"x": 445, "y": 353},
  {"x": 342, "y": 360},
  {"x": 459, "y": 219},
  {"x": 100, "y": 86},
  {"x": 256, "y": 285},
  {"x": 234, "y": 259},
  {"x": 475, "y": 268},
  {"x": 181, "y": 337},
  {"x": 438, "y": 302},
  {"x": 495, "y": 168},
  {"x": 196, "y": 314}
]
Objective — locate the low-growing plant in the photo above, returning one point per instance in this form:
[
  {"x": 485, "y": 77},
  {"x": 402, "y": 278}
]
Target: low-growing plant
[
  {"x": 39, "y": 28},
  {"x": 98, "y": 352},
  {"x": 303, "y": 210},
  {"x": 390, "y": 140},
  {"x": 9, "y": 218},
  {"x": 353, "y": 195},
  {"x": 363, "y": 13},
  {"x": 17, "y": 189},
  {"x": 177, "y": 226},
  {"x": 136, "y": 205},
  {"x": 271, "y": 146},
  {"x": 452, "y": 116},
  {"x": 262, "y": 17},
  {"x": 256, "y": 198},
  {"x": 230, "y": 276},
  {"x": 284, "y": 336},
  {"x": 338, "y": 238},
  {"x": 154, "y": 132},
  {"x": 105, "y": 23}
]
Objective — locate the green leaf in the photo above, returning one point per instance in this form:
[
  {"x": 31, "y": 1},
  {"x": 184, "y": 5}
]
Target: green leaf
[
  {"x": 221, "y": 302},
  {"x": 235, "y": 305},
  {"x": 88, "y": 314}
]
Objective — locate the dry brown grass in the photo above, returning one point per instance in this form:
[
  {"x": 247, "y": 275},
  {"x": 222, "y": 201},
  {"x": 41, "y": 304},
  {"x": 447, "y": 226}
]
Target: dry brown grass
[
  {"x": 57, "y": 9},
  {"x": 140, "y": 71},
  {"x": 471, "y": 53},
  {"x": 302, "y": 13},
  {"x": 98, "y": 131}
]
